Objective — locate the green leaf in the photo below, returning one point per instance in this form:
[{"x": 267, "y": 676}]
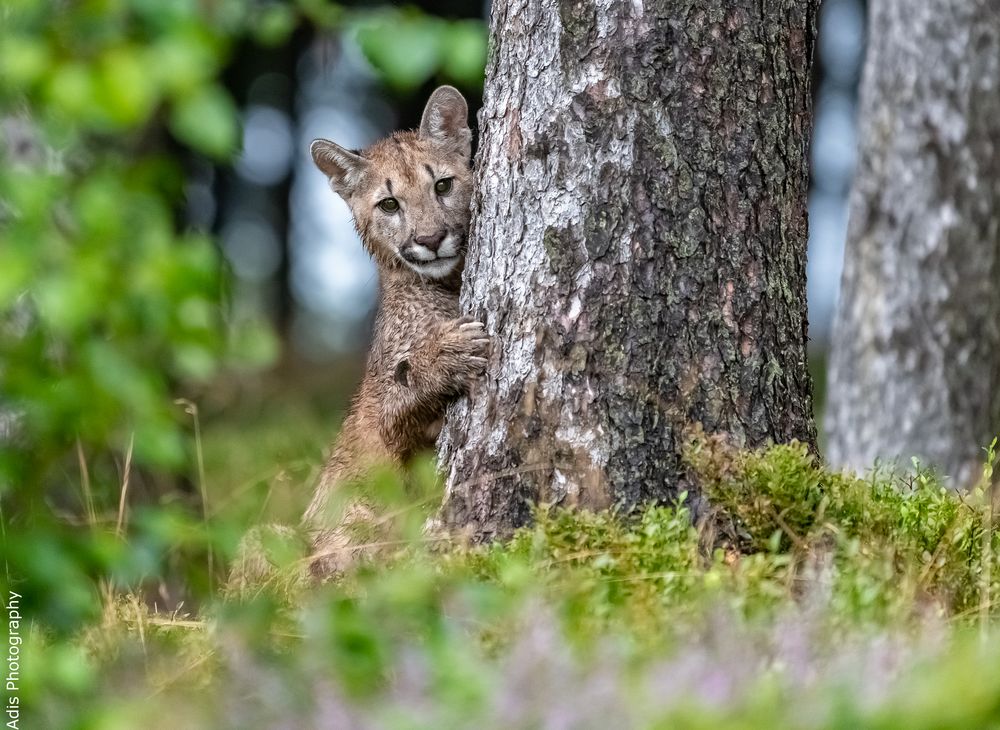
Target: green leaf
[
  {"x": 23, "y": 60},
  {"x": 122, "y": 377},
  {"x": 195, "y": 362},
  {"x": 66, "y": 301},
  {"x": 159, "y": 442},
  {"x": 184, "y": 61},
  {"x": 71, "y": 89},
  {"x": 405, "y": 48},
  {"x": 322, "y": 13},
  {"x": 465, "y": 52},
  {"x": 98, "y": 207},
  {"x": 275, "y": 23},
  {"x": 15, "y": 271},
  {"x": 253, "y": 345},
  {"x": 207, "y": 121},
  {"x": 126, "y": 91}
]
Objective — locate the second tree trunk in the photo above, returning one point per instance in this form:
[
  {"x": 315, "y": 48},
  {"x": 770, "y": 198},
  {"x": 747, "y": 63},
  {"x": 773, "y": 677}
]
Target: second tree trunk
[{"x": 915, "y": 360}]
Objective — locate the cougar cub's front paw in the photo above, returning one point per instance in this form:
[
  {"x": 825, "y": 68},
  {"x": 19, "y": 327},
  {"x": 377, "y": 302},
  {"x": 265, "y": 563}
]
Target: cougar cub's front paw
[{"x": 464, "y": 348}]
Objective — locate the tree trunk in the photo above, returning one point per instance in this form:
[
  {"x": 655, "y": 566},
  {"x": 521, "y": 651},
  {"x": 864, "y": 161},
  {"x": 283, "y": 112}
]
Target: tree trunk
[
  {"x": 637, "y": 250},
  {"x": 915, "y": 362}
]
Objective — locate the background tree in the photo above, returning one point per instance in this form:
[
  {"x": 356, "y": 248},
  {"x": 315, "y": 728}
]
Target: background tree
[
  {"x": 915, "y": 361},
  {"x": 637, "y": 249}
]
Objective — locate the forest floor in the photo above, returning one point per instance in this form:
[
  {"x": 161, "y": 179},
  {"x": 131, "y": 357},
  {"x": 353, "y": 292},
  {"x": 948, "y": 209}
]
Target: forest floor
[{"x": 808, "y": 599}]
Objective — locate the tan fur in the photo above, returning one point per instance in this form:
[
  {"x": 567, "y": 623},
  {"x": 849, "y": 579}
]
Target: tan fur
[{"x": 423, "y": 355}]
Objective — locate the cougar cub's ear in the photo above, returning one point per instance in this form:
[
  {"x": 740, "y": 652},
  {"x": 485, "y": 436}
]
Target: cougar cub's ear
[
  {"x": 343, "y": 167},
  {"x": 446, "y": 121}
]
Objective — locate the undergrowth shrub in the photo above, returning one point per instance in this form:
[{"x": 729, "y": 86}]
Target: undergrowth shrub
[
  {"x": 832, "y": 602},
  {"x": 889, "y": 538}
]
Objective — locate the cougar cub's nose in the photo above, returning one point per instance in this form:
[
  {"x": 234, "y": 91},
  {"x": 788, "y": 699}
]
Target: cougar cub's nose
[{"x": 432, "y": 242}]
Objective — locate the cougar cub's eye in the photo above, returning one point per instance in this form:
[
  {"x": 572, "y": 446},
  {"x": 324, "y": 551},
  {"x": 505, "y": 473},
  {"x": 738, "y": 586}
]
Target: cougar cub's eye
[
  {"x": 389, "y": 205},
  {"x": 443, "y": 186}
]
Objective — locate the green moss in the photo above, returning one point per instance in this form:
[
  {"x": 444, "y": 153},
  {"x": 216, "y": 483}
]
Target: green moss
[{"x": 891, "y": 538}]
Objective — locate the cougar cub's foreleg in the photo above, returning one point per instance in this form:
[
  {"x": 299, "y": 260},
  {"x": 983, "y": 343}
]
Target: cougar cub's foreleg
[
  {"x": 418, "y": 384},
  {"x": 437, "y": 370}
]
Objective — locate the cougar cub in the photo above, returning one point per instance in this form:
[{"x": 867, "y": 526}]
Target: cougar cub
[{"x": 409, "y": 195}]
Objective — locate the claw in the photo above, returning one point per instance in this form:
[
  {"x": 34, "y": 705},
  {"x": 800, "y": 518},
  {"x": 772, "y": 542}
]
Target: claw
[{"x": 475, "y": 329}]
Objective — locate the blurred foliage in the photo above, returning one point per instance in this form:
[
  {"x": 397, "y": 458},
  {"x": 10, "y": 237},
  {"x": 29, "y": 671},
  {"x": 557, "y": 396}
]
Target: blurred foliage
[
  {"x": 109, "y": 305},
  {"x": 585, "y": 621},
  {"x": 408, "y": 47}
]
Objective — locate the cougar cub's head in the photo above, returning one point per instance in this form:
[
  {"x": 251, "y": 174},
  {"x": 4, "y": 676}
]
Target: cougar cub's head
[{"x": 410, "y": 193}]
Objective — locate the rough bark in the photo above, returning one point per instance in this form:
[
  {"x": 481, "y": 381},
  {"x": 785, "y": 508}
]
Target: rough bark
[
  {"x": 637, "y": 249},
  {"x": 915, "y": 362}
]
